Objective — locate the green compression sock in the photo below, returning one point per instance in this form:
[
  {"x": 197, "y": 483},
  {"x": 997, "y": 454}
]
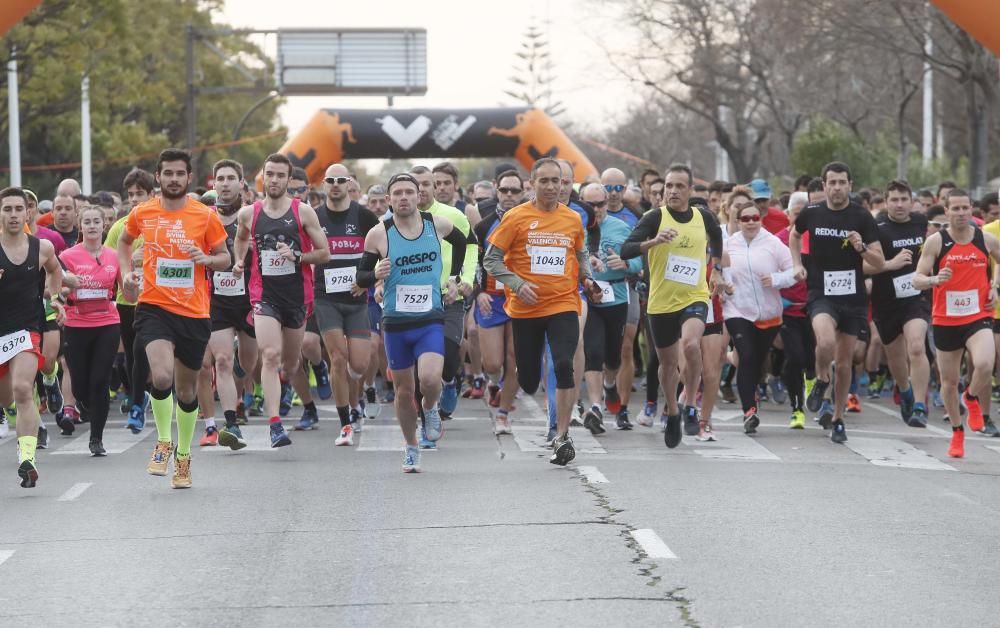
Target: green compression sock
[
  {"x": 186, "y": 420},
  {"x": 163, "y": 414}
]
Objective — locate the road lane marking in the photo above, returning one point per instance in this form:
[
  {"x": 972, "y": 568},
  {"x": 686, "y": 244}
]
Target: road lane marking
[
  {"x": 257, "y": 437},
  {"x": 883, "y": 452},
  {"x": 652, "y": 544},
  {"x": 383, "y": 438},
  {"x": 592, "y": 475},
  {"x": 895, "y": 414},
  {"x": 531, "y": 439},
  {"x": 5, "y": 554},
  {"x": 75, "y": 491},
  {"x": 115, "y": 441},
  {"x": 733, "y": 447}
]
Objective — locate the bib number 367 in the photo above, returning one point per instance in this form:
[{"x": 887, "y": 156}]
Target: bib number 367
[{"x": 12, "y": 344}]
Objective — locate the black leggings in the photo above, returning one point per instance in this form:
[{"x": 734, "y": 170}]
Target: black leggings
[
  {"x": 136, "y": 364},
  {"x": 562, "y": 331},
  {"x": 653, "y": 368},
  {"x": 90, "y": 352},
  {"x": 800, "y": 357},
  {"x": 603, "y": 335},
  {"x": 752, "y": 345}
]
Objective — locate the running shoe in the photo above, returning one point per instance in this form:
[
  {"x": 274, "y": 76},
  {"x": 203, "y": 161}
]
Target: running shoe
[
  {"x": 798, "y": 421},
  {"x": 690, "y": 414},
  {"x": 621, "y": 421},
  {"x": 43, "y": 438},
  {"x": 809, "y": 383},
  {"x": 28, "y": 474},
  {"x": 853, "y": 403},
  {"x": 493, "y": 392},
  {"x": 672, "y": 434},
  {"x": 919, "y": 416},
  {"x": 65, "y": 422},
  {"x": 564, "y": 452},
  {"x": 296, "y": 400},
  {"x": 285, "y": 406},
  {"x": 989, "y": 429},
  {"x": 322, "y": 373},
  {"x": 390, "y": 395},
  {"x": 357, "y": 419},
  {"x": 346, "y": 438},
  {"x": 241, "y": 411},
  {"x": 975, "y": 417},
  {"x": 308, "y": 420},
  {"x": 161, "y": 456},
  {"x": 432, "y": 423},
  {"x": 826, "y": 414},
  {"x": 501, "y": 424},
  {"x": 372, "y": 407},
  {"x": 612, "y": 401},
  {"x": 593, "y": 421},
  {"x": 478, "y": 388},
  {"x": 53, "y": 395},
  {"x": 97, "y": 448},
  {"x": 957, "y": 447},
  {"x": 648, "y": 412},
  {"x": 231, "y": 436},
  {"x": 424, "y": 443},
  {"x": 4, "y": 427},
  {"x": 761, "y": 392},
  {"x": 936, "y": 399},
  {"x": 577, "y": 421},
  {"x": 815, "y": 397},
  {"x": 182, "y": 472},
  {"x": 126, "y": 404},
  {"x": 875, "y": 390},
  {"x": 705, "y": 433},
  {"x": 411, "y": 459},
  {"x": 839, "y": 434},
  {"x": 136, "y": 419},
  {"x": 550, "y": 437},
  {"x": 211, "y": 437},
  {"x": 279, "y": 438},
  {"x": 750, "y": 421},
  {"x": 449, "y": 398},
  {"x": 778, "y": 393},
  {"x": 728, "y": 395}
]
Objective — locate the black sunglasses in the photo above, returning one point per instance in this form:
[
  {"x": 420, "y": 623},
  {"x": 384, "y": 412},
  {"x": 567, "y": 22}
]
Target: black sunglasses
[{"x": 510, "y": 190}]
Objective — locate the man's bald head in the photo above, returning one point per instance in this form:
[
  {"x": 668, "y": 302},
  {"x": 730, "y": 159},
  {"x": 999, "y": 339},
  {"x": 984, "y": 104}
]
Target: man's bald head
[
  {"x": 69, "y": 187},
  {"x": 615, "y": 177},
  {"x": 594, "y": 193},
  {"x": 335, "y": 184}
]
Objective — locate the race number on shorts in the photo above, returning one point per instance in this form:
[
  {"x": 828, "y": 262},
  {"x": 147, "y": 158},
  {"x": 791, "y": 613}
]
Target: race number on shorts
[
  {"x": 607, "y": 292},
  {"x": 414, "y": 299},
  {"x": 175, "y": 273},
  {"x": 904, "y": 286},
  {"x": 273, "y": 263},
  {"x": 339, "y": 279},
  {"x": 685, "y": 270},
  {"x": 962, "y": 303},
  {"x": 12, "y": 344},
  {"x": 838, "y": 283},
  {"x": 547, "y": 260},
  {"x": 226, "y": 285}
]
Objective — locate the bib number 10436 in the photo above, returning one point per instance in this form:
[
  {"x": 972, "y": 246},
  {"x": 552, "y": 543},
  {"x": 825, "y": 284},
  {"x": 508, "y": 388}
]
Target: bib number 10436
[{"x": 547, "y": 260}]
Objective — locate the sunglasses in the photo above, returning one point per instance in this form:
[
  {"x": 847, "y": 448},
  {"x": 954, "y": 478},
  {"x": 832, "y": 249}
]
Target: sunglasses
[
  {"x": 298, "y": 190},
  {"x": 749, "y": 218},
  {"x": 337, "y": 180},
  {"x": 938, "y": 225},
  {"x": 510, "y": 190},
  {"x": 614, "y": 188},
  {"x": 599, "y": 203}
]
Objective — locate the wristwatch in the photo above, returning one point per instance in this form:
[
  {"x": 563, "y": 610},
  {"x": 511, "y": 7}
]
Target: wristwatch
[{"x": 298, "y": 255}]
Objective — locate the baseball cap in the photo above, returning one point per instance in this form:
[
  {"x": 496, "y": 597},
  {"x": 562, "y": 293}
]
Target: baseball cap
[{"x": 760, "y": 189}]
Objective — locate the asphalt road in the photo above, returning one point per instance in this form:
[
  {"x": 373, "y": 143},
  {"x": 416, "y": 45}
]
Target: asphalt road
[{"x": 781, "y": 529}]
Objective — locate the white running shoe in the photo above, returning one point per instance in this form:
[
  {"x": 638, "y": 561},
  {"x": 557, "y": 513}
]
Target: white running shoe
[{"x": 346, "y": 438}]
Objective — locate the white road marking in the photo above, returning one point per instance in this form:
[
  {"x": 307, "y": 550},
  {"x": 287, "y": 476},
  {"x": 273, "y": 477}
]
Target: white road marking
[
  {"x": 895, "y": 414},
  {"x": 116, "y": 440},
  {"x": 531, "y": 439},
  {"x": 532, "y": 406},
  {"x": 726, "y": 417},
  {"x": 884, "y": 452},
  {"x": 731, "y": 446},
  {"x": 258, "y": 438},
  {"x": 995, "y": 448},
  {"x": 5, "y": 554},
  {"x": 384, "y": 438},
  {"x": 652, "y": 544},
  {"x": 592, "y": 475},
  {"x": 75, "y": 491}
]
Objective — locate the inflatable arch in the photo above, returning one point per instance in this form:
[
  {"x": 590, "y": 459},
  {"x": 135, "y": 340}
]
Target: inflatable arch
[{"x": 526, "y": 134}]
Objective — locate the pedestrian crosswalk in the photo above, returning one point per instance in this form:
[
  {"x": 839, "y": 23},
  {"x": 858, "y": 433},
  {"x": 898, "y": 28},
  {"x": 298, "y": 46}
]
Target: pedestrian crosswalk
[{"x": 887, "y": 452}]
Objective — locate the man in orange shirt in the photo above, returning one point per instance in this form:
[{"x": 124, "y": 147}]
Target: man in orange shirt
[
  {"x": 182, "y": 237},
  {"x": 538, "y": 254}
]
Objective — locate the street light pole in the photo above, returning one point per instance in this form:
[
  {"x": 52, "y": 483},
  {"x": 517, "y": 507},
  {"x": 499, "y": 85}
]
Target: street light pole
[
  {"x": 246, "y": 116},
  {"x": 13, "y": 120}
]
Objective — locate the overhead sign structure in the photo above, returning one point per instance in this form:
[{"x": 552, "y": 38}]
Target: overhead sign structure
[
  {"x": 385, "y": 62},
  {"x": 333, "y": 135}
]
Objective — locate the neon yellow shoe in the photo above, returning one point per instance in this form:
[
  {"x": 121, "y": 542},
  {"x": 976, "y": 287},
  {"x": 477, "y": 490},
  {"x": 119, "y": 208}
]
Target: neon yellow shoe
[
  {"x": 809, "y": 386},
  {"x": 798, "y": 421}
]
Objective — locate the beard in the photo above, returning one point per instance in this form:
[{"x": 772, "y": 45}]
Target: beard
[
  {"x": 280, "y": 194},
  {"x": 168, "y": 194}
]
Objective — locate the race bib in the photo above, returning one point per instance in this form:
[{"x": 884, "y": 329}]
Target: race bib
[
  {"x": 274, "y": 264},
  {"x": 339, "y": 279},
  {"x": 12, "y": 344},
  {"x": 962, "y": 303},
  {"x": 607, "y": 292},
  {"x": 838, "y": 283},
  {"x": 547, "y": 260},
  {"x": 904, "y": 286},
  {"x": 685, "y": 270},
  {"x": 175, "y": 273},
  {"x": 90, "y": 294},
  {"x": 414, "y": 299},
  {"x": 226, "y": 285}
]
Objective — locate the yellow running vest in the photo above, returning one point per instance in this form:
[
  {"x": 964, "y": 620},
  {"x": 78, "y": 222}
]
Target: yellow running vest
[{"x": 677, "y": 268}]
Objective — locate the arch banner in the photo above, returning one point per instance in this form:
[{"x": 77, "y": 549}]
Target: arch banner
[
  {"x": 13, "y": 11},
  {"x": 979, "y": 18},
  {"x": 333, "y": 135}
]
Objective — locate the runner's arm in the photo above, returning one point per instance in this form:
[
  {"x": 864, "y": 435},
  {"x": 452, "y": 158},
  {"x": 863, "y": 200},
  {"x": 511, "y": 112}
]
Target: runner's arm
[
  {"x": 124, "y": 253},
  {"x": 53, "y": 270},
  {"x": 241, "y": 243},
  {"x": 460, "y": 247},
  {"x": 922, "y": 278},
  {"x": 494, "y": 265},
  {"x": 795, "y": 246},
  {"x": 374, "y": 245},
  {"x": 645, "y": 230}
]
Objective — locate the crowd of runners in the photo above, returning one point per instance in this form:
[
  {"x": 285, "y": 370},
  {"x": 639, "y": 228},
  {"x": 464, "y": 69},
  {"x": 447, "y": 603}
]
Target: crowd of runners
[{"x": 414, "y": 292}]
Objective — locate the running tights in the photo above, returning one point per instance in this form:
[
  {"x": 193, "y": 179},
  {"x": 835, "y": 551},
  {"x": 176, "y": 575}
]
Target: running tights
[
  {"x": 752, "y": 345},
  {"x": 800, "y": 357},
  {"x": 562, "y": 331},
  {"x": 603, "y": 335},
  {"x": 90, "y": 352}
]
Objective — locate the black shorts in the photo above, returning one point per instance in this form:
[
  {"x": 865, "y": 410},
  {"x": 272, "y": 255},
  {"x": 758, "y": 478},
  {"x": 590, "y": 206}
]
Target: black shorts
[
  {"x": 996, "y": 325},
  {"x": 232, "y": 318},
  {"x": 891, "y": 322},
  {"x": 714, "y": 329},
  {"x": 954, "y": 337},
  {"x": 850, "y": 319},
  {"x": 292, "y": 317},
  {"x": 312, "y": 325},
  {"x": 189, "y": 335},
  {"x": 666, "y": 328}
]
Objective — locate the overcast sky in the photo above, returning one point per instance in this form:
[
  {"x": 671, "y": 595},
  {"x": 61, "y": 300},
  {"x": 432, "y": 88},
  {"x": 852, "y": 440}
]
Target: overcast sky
[{"x": 470, "y": 49}]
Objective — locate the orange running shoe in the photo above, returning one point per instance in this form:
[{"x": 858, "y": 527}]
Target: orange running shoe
[
  {"x": 853, "y": 403},
  {"x": 211, "y": 437},
  {"x": 957, "y": 449},
  {"x": 975, "y": 419}
]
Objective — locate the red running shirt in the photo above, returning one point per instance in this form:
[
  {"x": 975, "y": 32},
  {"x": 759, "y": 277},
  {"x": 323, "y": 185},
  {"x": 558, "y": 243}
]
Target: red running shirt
[{"x": 962, "y": 299}]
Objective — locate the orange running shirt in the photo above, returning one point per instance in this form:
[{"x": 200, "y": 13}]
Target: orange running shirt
[
  {"x": 170, "y": 279},
  {"x": 540, "y": 247}
]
